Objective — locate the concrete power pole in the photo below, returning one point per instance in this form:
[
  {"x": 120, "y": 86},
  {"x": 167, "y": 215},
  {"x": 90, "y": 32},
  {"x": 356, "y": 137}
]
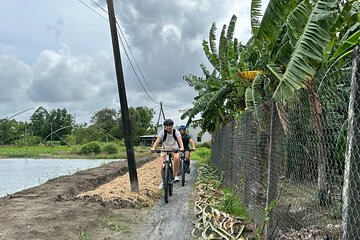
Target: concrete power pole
[{"x": 123, "y": 101}]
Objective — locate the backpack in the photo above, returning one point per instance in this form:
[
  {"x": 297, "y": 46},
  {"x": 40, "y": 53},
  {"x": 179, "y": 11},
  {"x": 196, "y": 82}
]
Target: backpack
[{"x": 174, "y": 136}]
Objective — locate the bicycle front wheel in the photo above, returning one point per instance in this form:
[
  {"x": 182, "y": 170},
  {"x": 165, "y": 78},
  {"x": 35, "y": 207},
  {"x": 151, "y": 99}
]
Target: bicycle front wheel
[
  {"x": 183, "y": 171},
  {"x": 166, "y": 182}
]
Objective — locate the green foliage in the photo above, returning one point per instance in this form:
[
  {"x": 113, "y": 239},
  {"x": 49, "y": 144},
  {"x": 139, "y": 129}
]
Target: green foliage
[
  {"x": 232, "y": 204},
  {"x": 32, "y": 151},
  {"x": 115, "y": 223},
  {"x": 83, "y": 235},
  {"x": 28, "y": 141},
  {"x": 90, "y": 148},
  {"x": 204, "y": 145},
  {"x": 110, "y": 148},
  {"x": 201, "y": 155}
]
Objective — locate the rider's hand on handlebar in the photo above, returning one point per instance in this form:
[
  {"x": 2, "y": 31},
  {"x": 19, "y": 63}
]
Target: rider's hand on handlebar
[{"x": 181, "y": 149}]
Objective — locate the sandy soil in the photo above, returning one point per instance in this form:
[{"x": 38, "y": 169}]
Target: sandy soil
[{"x": 97, "y": 203}]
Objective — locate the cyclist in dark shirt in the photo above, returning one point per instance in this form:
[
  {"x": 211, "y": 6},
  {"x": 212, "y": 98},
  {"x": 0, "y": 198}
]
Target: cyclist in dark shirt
[{"x": 187, "y": 139}]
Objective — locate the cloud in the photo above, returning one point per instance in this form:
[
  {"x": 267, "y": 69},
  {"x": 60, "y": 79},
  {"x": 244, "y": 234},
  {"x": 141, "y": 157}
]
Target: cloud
[
  {"x": 14, "y": 78},
  {"x": 63, "y": 58}
]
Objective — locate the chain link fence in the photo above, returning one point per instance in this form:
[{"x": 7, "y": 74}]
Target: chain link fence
[{"x": 297, "y": 168}]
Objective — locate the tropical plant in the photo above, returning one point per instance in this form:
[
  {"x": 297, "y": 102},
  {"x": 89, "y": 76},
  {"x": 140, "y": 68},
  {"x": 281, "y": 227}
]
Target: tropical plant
[{"x": 293, "y": 42}]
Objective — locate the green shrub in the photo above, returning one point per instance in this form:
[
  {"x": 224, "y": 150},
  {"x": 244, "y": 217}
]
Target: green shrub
[
  {"x": 110, "y": 148},
  {"x": 28, "y": 141},
  {"x": 204, "y": 144},
  {"x": 90, "y": 148}
]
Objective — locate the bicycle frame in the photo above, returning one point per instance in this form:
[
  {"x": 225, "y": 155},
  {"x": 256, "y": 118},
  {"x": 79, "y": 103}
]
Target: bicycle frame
[
  {"x": 167, "y": 173},
  {"x": 183, "y": 166}
]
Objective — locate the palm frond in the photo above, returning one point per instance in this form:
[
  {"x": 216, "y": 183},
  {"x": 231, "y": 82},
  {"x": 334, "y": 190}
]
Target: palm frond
[
  {"x": 346, "y": 46},
  {"x": 308, "y": 51},
  {"x": 223, "y": 54},
  {"x": 212, "y": 40},
  {"x": 274, "y": 18},
  {"x": 255, "y": 14},
  {"x": 231, "y": 28},
  {"x": 199, "y": 106},
  {"x": 213, "y": 59},
  {"x": 230, "y": 42},
  {"x": 217, "y": 98},
  {"x": 296, "y": 22}
]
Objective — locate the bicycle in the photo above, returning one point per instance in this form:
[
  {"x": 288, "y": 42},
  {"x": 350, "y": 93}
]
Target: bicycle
[
  {"x": 167, "y": 173},
  {"x": 183, "y": 166}
]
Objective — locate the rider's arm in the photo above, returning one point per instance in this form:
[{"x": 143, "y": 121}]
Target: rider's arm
[
  {"x": 192, "y": 143},
  {"x": 181, "y": 144},
  {"x": 156, "y": 143}
]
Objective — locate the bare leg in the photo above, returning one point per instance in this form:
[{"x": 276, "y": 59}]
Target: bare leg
[
  {"x": 176, "y": 157},
  {"x": 187, "y": 157}
]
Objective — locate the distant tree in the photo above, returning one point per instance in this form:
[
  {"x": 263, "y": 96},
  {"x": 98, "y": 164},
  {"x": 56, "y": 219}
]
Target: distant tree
[
  {"x": 8, "y": 131},
  {"x": 146, "y": 115},
  {"x": 38, "y": 122},
  {"x": 105, "y": 121},
  {"x": 140, "y": 122},
  {"x": 51, "y": 126},
  {"x": 61, "y": 124}
]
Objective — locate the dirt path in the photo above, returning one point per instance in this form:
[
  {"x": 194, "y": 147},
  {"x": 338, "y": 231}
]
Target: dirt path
[
  {"x": 161, "y": 221},
  {"x": 54, "y": 210},
  {"x": 172, "y": 220}
]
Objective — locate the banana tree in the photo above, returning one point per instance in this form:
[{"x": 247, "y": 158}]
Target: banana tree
[{"x": 220, "y": 92}]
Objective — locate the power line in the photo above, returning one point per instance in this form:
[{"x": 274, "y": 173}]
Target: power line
[
  {"x": 127, "y": 55},
  {"x": 132, "y": 66},
  {"x": 93, "y": 10},
  {"x": 127, "y": 45},
  {"x": 135, "y": 60}
]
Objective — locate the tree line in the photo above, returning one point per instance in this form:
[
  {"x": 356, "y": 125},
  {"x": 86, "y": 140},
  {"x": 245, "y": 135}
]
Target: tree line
[{"x": 58, "y": 126}]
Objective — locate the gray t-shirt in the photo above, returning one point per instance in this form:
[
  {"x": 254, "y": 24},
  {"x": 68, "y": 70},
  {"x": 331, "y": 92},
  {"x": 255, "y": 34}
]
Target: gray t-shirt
[{"x": 170, "y": 141}]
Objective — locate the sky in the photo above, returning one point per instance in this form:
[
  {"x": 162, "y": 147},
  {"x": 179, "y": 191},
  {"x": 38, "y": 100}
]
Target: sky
[{"x": 58, "y": 54}]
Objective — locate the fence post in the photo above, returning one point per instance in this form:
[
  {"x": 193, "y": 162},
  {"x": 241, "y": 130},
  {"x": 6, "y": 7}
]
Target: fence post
[
  {"x": 351, "y": 188},
  {"x": 272, "y": 171}
]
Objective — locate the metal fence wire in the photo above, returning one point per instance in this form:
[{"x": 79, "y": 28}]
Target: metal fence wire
[{"x": 299, "y": 164}]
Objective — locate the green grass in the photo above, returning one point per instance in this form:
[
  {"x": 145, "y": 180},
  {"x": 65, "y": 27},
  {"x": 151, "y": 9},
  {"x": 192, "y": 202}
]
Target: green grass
[
  {"x": 232, "y": 204},
  {"x": 115, "y": 223},
  {"x": 201, "y": 155},
  {"x": 82, "y": 236},
  {"x": 33, "y": 151},
  {"x": 63, "y": 152}
]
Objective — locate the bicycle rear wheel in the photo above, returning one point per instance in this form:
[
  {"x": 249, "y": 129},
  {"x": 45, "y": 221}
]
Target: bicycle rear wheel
[{"x": 166, "y": 182}]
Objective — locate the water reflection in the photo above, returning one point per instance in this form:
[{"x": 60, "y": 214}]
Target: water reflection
[{"x": 19, "y": 174}]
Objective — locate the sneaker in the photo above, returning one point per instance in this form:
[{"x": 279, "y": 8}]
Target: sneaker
[
  {"x": 188, "y": 170},
  {"x": 161, "y": 186},
  {"x": 176, "y": 179}
]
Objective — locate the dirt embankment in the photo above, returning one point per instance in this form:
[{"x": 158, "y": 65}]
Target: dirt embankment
[{"x": 52, "y": 210}]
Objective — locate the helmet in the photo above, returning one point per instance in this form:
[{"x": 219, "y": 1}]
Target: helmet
[
  {"x": 182, "y": 127},
  {"x": 168, "y": 122}
]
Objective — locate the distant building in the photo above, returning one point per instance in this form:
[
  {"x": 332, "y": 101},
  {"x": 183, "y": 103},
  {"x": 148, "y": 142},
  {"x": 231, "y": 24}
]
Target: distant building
[
  {"x": 147, "y": 140},
  {"x": 194, "y": 132}
]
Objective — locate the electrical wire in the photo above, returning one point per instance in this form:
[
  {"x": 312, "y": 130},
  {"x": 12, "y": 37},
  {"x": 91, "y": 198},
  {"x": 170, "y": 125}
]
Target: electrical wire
[
  {"x": 122, "y": 40},
  {"x": 93, "y": 10},
  {"x": 127, "y": 55}
]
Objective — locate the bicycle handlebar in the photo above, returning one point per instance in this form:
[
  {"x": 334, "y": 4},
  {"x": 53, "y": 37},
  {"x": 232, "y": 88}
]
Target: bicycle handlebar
[{"x": 171, "y": 151}]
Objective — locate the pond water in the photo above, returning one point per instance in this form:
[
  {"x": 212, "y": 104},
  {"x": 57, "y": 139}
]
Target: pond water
[{"x": 19, "y": 174}]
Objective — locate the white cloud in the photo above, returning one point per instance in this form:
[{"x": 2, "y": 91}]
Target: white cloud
[{"x": 59, "y": 55}]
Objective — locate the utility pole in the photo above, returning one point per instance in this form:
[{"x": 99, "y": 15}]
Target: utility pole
[{"x": 123, "y": 101}]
